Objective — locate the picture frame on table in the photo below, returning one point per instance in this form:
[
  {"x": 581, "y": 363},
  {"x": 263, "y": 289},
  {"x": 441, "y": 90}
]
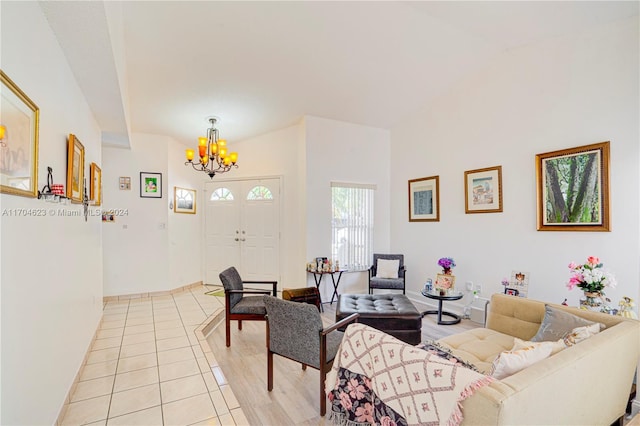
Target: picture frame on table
[
  {"x": 75, "y": 169},
  {"x": 184, "y": 200},
  {"x": 483, "y": 190},
  {"x": 424, "y": 199},
  {"x": 19, "y": 131},
  {"x": 150, "y": 185},
  {"x": 445, "y": 282},
  {"x": 95, "y": 191},
  {"x": 573, "y": 189}
]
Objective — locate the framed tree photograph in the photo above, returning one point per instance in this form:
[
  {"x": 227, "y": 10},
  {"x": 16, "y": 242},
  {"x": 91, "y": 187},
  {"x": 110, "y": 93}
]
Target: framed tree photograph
[
  {"x": 184, "y": 200},
  {"x": 424, "y": 204},
  {"x": 19, "y": 126},
  {"x": 95, "y": 190},
  {"x": 573, "y": 189},
  {"x": 150, "y": 185},
  {"x": 483, "y": 190},
  {"x": 75, "y": 169}
]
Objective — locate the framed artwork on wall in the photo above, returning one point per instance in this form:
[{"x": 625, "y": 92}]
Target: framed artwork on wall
[
  {"x": 19, "y": 127},
  {"x": 75, "y": 169},
  {"x": 573, "y": 189},
  {"x": 150, "y": 185},
  {"x": 184, "y": 200},
  {"x": 424, "y": 204},
  {"x": 483, "y": 190},
  {"x": 95, "y": 190},
  {"x": 124, "y": 183}
]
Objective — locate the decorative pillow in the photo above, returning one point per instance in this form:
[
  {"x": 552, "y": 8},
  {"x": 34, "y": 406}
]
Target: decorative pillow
[
  {"x": 579, "y": 334},
  {"x": 556, "y": 346},
  {"x": 388, "y": 268},
  {"x": 510, "y": 362},
  {"x": 557, "y": 323}
]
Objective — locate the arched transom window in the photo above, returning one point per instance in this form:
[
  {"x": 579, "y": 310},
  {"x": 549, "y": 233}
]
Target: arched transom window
[
  {"x": 260, "y": 193},
  {"x": 221, "y": 194}
]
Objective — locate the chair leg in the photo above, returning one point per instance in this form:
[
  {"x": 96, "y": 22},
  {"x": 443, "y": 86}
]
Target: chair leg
[
  {"x": 227, "y": 325},
  {"x": 269, "y": 370},
  {"x": 323, "y": 397},
  {"x": 304, "y": 366},
  {"x": 239, "y": 324}
]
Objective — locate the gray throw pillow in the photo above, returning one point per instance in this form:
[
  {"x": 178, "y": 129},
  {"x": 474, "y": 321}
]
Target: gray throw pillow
[{"x": 556, "y": 324}]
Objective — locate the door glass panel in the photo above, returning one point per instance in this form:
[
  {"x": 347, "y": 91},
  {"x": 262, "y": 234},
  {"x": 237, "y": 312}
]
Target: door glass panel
[
  {"x": 222, "y": 194},
  {"x": 260, "y": 193}
]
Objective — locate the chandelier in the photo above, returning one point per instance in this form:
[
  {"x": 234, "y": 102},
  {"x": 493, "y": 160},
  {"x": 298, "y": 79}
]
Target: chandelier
[{"x": 213, "y": 154}]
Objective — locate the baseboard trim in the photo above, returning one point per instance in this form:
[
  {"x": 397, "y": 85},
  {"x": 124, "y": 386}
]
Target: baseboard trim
[{"x": 150, "y": 294}]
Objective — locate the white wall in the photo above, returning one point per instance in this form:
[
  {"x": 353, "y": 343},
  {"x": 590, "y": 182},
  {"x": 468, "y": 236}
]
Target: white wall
[
  {"x": 344, "y": 152},
  {"x": 136, "y": 254},
  {"x": 559, "y": 94},
  {"x": 51, "y": 278}
]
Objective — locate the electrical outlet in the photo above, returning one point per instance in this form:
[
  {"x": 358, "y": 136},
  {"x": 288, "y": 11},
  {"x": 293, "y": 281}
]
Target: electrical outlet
[
  {"x": 469, "y": 285},
  {"x": 479, "y": 288}
]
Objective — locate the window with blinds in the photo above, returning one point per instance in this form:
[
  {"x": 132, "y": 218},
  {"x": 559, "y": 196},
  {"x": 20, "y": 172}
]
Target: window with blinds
[{"x": 352, "y": 224}]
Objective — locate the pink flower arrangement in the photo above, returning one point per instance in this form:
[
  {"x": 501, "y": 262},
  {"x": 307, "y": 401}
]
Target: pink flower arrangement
[{"x": 590, "y": 276}]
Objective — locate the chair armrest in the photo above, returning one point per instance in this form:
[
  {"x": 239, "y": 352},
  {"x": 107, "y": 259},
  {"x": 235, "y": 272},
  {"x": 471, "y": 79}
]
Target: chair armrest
[
  {"x": 248, "y": 292},
  {"x": 402, "y": 271},
  {"x": 344, "y": 321},
  {"x": 273, "y": 283}
]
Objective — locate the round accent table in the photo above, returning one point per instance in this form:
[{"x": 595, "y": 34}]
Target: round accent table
[{"x": 435, "y": 295}]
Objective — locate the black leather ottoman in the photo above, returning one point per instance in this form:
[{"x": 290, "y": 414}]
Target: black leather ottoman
[{"x": 392, "y": 313}]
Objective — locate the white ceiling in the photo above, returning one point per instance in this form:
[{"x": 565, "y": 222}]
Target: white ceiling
[{"x": 163, "y": 67}]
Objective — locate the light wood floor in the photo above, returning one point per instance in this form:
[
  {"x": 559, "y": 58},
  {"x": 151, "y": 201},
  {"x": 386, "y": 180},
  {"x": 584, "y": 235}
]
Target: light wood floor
[{"x": 295, "y": 399}]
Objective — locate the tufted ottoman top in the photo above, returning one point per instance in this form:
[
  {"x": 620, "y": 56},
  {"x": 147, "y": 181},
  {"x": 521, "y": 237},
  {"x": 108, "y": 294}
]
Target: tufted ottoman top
[{"x": 377, "y": 306}]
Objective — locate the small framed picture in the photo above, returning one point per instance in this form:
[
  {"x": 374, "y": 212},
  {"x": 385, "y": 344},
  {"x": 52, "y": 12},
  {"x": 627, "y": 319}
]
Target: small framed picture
[
  {"x": 184, "y": 200},
  {"x": 125, "y": 183},
  {"x": 483, "y": 190},
  {"x": 424, "y": 204},
  {"x": 75, "y": 169},
  {"x": 150, "y": 185},
  {"x": 445, "y": 282},
  {"x": 95, "y": 190}
]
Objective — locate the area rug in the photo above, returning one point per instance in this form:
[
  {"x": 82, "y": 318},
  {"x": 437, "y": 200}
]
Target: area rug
[
  {"x": 378, "y": 379},
  {"x": 218, "y": 292}
]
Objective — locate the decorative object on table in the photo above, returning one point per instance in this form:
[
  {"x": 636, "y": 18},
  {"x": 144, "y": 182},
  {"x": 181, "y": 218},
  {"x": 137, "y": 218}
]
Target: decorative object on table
[
  {"x": 424, "y": 201},
  {"x": 428, "y": 285},
  {"x": 626, "y": 308},
  {"x": 18, "y": 140},
  {"x": 95, "y": 193},
  {"x": 447, "y": 264},
  {"x": 445, "y": 281},
  {"x": 573, "y": 189},
  {"x": 212, "y": 153},
  {"x": 518, "y": 285},
  {"x": 124, "y": 183},
  {"x": 150, "y": 185},
  {"x": 75, "y": 170},
  {"x": 184, "y": 200},
  {"x": 591, "y": 278},
  {"x": 483, "y": 190}
]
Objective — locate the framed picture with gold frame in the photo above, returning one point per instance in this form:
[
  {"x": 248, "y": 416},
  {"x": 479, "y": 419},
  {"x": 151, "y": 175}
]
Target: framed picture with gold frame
[
  {"x": 483, "y": 190},
  {"x": 445, "y": 282},
  {"x": 184, "y": 200},
  {"x": 95, "y": 191},
  {"x": 573, "y": 189},
  {"x": 75, "y": 169},
  {"x": 19, "y": 127},
  {"x": 424, "y": 204}
]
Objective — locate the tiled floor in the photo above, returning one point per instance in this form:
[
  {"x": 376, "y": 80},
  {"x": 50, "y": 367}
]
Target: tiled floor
[{"x": 149, "y": 366}]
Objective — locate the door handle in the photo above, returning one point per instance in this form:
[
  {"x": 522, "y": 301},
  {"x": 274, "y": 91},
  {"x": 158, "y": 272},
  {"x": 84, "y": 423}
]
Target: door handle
[
  {"x": 243, "y": 239},
  {"x": 237, "y": 239}
]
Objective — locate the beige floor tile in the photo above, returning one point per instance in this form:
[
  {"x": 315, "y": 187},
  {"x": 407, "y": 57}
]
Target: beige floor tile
[
  {"x": 136, "y": 399},
  {"x": 227, "y": 420},
  {"x": 139, "y": 338},
  {"x": 110, "y": 342},
  {"x": 188, "y": 411},
  {"x": 112, "y": 324},
  {"x": 135, "y": 349},
  {"x": 110, "y": 332},
  {"x": 229, "y": 397},
  {"x": 167, "y": 317},
  {"x": 219, "y": 402},
  {"x": 211, "y": 383},
  {"x": 136, "y": 329},
  {"x": 175, "y": 355},
  {"x": 98, "y": 423},
  {"x": 150, "y": 416},
  {"x": 136, "y": 378},
  {"x": 99, "y": 369},
  {"x": 172, "y": 343},
  {"x": 197, "y": 351},
  {"x": 219, "y": 376},
  {"x": 147, "y": 319},
  {"x": 114, "y": 316},
  {"x": 134, "y": 315},
  {"x": 103, "y": 355},
  {"x": 164, "y": 325},
  {"x": 204, "y": 365},
  {"x": 93, "y": 388},
  {"x": 178, "y": 369},
  {"x": 170, "y": 332},
  {"x": 184, "y": 387},
  {"x": 137, "y": 363},
  {"x": 87, "y": 411},
  {"x": 213, "y": 421},
  {"x": 193, "y": 339},
  {"x": 239, "y": 418},
  {"x": 164, "y": 309}
]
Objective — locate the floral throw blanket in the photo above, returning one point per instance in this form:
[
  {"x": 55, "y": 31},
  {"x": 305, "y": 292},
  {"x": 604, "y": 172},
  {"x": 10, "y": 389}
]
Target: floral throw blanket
[{"x": 377, "y": 379}]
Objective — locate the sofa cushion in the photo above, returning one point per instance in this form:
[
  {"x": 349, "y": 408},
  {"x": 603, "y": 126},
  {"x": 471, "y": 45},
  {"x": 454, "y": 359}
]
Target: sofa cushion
[
  {"x": 479, "y": 346},
  {"x": 556, "y": 324}
]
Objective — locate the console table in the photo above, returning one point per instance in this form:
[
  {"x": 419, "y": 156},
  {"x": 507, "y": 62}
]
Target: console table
[{"x": 440, "y": 312}]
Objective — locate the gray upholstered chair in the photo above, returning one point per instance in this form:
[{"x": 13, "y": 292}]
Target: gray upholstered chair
[
  {"x": 237, "y": 306},
  {"x": 295, "y": 331},
  {"x": 387, "y": 283}
]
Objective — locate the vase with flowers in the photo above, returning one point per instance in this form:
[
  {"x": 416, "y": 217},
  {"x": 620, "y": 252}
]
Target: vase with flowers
[
  {"x": 591, "y": 278},
  {"x": 447, "y": 264},
  {"x": 445, "y": 281}
]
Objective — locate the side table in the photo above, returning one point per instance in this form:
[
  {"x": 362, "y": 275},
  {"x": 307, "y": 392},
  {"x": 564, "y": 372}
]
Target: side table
[{"x": 440, "y": 312}]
